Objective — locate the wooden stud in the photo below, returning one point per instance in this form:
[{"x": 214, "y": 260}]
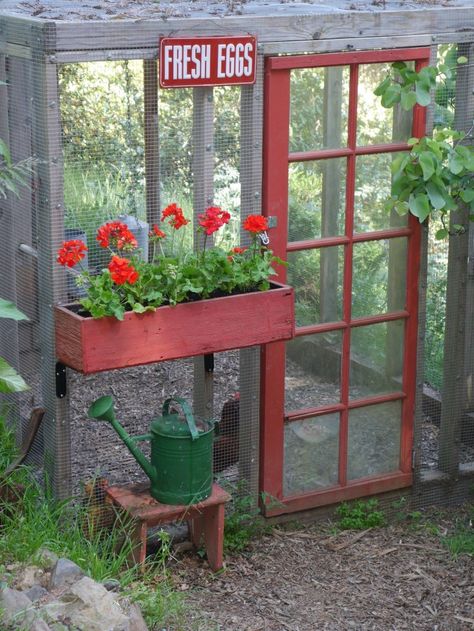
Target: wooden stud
[
  {"x": 52, "y": 281},
  {"x": 455, "y": 360},
  {"x": 152, "y": 146},
  {"x": 330, "y": 195},
  {"x": 203, "y": 194},
  {"x": 251, "y": 138}
]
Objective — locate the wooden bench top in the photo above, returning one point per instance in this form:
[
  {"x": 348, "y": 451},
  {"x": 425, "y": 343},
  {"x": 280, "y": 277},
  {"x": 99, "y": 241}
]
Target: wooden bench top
[{"x": 137, "y": 501}]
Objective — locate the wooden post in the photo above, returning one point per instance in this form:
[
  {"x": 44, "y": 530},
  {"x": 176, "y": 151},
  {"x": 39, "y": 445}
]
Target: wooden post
[
  {"x": 330, "y": 196},
  {"x": 453, "y": 405},
  {"x": 9, "y": 348},
  {"x": 152, "y": 146},
  {"x": 52, "y": 280},
  {"x": 251, "y": 138},
  {"x": 397, "y": 257},
  {"x": 203, "y": 193}
]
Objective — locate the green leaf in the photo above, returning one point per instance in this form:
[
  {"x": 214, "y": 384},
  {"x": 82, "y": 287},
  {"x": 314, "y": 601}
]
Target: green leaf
[
  {"x": 10, "y": 380},
  {"x": 412, "y": 141},
  {"x": 419, "y": 206},
  {"x": 436, "y": 196},
  {"x": 391, "y": 95},
  {"x": 139, "y": 308},
  {"x": 399, "y": 65},
  {"x": 442, "y": 233},
  {"x": 461, "y": 60},
  {"x": 8, "y": 310},
  {"x": 467, "y": 195},
  {"x": 423, "y": 96},
  {"x": 401, "y": 208},
  {"x": 428, "y": 164},
  {"x": 380, "y": 89},
  {"x": 455, "y": 164},
  {"x": 408, "y": 99}
]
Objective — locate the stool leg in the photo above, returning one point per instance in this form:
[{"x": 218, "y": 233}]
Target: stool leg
[
  {"x": 138, "y": 537},
  {"x": 196, "y": 529},
  {"x": 214, "y": 536}
]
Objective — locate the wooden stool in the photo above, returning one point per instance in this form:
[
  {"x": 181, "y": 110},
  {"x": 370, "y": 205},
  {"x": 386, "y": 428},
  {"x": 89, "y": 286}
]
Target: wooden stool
[{"x": 204, "y": 518}]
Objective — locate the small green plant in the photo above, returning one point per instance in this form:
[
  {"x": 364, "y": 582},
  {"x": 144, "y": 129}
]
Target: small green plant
[
  {"x": 243, "y": 521},
  {"x": 10, "y": 380},
  {"x": 360, "y": 515},
  {"x": 462, "y": 540}
]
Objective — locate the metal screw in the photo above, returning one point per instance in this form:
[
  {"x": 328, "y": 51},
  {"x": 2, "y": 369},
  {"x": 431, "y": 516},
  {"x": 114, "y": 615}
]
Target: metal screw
[
  {"x": 52, "y": 59},
  {"x": 52, "y": 104},
  {"x": 256, "y": 195},
  {"x": 260, "y": 46},
  {"x": 208, "y": 147},
  {"x": 210, "y": 98}
]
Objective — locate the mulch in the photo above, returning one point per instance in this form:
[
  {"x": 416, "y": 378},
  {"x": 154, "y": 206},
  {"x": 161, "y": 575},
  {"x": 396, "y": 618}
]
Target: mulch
[{"x": 313, "y": 579}]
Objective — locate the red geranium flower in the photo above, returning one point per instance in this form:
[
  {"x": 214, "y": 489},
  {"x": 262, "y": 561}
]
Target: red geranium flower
[
  {"x": 122, "y": 271},
  {"x": 236, "y": 250},
  {"x": 116, "y": 233},
  {"x": 175, "y": 213},
  {"x": 256, "y": 224},
  {"x": 156, "y": 232},
  {"x": 213, "y": 218},
  {"x": 71, "y": 252}
]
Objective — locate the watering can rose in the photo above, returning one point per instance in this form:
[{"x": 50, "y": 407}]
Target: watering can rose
[{"x": 173, "y": 274}]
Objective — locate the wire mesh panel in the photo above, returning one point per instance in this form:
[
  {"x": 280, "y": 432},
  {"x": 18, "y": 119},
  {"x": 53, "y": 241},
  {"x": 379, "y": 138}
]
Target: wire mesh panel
[{"x": 110, "y": 145}]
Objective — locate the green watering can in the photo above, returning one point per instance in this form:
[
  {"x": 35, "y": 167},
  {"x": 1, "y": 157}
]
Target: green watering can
[{"x": 180, "y": 469}]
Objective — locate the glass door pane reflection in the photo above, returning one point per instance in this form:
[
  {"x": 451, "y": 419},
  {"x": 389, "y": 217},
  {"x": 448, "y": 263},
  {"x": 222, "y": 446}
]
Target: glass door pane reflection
[
  {"x": 374, "y": 440},
  {"x": 311, "y": 454}
]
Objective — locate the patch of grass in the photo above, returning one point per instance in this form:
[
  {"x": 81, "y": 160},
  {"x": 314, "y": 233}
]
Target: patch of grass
[
  {"x": 461, "y": 541},
  {"x": 38, "y": 520},
  {"x": 360, "y": 515},
  {"x": 243, "y": 521}
]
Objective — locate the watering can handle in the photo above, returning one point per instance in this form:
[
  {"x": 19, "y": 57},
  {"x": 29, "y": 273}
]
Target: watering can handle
[{"x": 188, "y": 415}]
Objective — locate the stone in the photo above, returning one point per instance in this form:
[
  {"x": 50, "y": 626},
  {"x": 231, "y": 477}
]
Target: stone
[
  {"x": 15, "y": 607},
  {"x": 45, "y": 558},
  {"x": 111, "y": 585},
  {"x": 36, "y": 592},
  {"x": 135, "y": 617},
  {"x": 65, "y": 572},
  {"x": 39, "y": 625},
  {"x": 87, "y": 606},
  {"x": 28, "y": 576}
]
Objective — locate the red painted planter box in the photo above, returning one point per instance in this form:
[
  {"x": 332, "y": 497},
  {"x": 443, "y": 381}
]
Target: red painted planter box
[{"x": 187, "y": 329}]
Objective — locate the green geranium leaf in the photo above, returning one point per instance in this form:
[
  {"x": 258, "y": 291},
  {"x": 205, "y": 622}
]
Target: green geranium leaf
[
  {"x": 10, "y": 380},
  {"x": 8, "y": 310}
]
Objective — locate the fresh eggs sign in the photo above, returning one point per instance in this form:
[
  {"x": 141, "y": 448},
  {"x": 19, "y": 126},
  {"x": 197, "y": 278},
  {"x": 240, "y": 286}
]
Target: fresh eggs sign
[{"x": 205, "y": 61}]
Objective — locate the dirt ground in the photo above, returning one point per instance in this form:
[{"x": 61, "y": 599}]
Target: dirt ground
[{"x": 313, "y": 579}]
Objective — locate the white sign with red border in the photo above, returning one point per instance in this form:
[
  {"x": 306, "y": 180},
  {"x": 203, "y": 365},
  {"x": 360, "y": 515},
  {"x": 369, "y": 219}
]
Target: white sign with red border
[{"x": 206, "y": 61}]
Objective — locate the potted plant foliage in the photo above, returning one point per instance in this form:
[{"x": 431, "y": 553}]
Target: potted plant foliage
[{"x": 178, "y": 303}]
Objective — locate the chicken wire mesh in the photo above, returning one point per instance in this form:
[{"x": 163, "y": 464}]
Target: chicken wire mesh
[{"x": 110, "y": 144}]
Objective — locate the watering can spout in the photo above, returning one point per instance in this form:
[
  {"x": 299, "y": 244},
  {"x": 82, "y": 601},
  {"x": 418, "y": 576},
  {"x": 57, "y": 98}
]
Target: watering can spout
[{"x": 103, "y": 410}]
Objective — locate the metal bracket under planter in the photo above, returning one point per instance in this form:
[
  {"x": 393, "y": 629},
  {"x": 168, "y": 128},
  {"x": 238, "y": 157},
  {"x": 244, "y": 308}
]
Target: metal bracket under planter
[{"x": 184, "y": 330}]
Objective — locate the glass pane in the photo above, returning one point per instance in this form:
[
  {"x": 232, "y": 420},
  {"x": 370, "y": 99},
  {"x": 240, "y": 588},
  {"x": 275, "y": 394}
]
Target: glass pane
[
  {"x": 313, "y": 371},
  {"x": 316, "y": 199},
  {"x": 374, "y": 440},
  {"x": 311, "y": 454},
  {"x": 376, "y": 359},
  {"x": 379, "y": 277},
  {"x": 319, "y": 103},
  {"x": 377, "y": 124},
  {"x": 373, "y": 187},
  {"x": 316, "y": 276}
]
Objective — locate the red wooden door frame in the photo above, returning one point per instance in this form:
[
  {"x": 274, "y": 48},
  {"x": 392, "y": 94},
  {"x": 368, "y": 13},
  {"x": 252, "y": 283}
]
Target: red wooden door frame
[{"x": 276, "y": 160}]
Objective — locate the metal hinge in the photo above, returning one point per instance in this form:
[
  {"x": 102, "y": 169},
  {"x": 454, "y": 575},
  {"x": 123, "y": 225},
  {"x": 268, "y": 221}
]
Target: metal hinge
[
  {"x": 272, "y": 221},
  {"x": 61, "y": 382}
]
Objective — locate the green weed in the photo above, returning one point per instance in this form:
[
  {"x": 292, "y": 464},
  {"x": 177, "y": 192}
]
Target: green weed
[
  {"x": 243, "y": 521},
  {"x": 462, "y": 540},
  {"x": 360, "y": 515}
]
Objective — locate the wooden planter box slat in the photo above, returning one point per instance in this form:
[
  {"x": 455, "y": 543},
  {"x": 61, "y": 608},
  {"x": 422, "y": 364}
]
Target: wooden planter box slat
[{"x": 185, "y": 330}]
